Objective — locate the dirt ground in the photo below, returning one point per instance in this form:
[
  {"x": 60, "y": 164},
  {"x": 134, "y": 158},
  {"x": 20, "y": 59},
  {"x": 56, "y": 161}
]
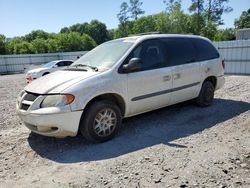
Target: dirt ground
[{"x": 178, "y": 146}]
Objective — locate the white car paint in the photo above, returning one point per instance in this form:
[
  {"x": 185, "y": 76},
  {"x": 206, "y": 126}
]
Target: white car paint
[
  {"x": 134, "y": 89},
  {"x": 41, "y": 71}
]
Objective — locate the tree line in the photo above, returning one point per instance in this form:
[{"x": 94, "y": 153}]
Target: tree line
[{"x": 203, "y": 18}]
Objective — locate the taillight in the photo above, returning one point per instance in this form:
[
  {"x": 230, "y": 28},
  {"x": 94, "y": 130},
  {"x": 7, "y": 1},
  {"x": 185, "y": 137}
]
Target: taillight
[
  {"x": 30, "y": 78},
  {"x": 223, "y": 63}
]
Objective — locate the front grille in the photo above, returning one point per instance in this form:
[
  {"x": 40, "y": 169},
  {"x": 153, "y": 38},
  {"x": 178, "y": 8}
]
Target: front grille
[
  {"x": 25, "y": 106},
  {"x": 28, "y": 100},
  {"x": 30, "y": 97}
]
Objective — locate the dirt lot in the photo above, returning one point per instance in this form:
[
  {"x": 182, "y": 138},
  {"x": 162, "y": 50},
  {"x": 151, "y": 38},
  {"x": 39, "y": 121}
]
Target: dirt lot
[{"x": 178, "y": 146}]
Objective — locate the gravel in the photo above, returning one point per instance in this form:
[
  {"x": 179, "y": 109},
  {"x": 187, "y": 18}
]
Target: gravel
[{"x": 178, "y": 146}]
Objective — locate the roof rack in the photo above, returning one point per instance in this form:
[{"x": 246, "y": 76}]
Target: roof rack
[{"x": 148, "y": 33}]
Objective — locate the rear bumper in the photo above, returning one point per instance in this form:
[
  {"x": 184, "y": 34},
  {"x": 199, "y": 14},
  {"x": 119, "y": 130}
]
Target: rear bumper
[{"x": 220, "y": 82}]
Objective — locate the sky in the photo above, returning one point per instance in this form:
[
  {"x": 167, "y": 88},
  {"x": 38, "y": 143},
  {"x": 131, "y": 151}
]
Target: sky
[{"x": 20, "y": 17}]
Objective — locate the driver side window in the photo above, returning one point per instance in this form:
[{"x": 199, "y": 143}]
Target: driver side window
[
  {"x": 150, "y": 54},
  {"x": 61, "y": 64}
]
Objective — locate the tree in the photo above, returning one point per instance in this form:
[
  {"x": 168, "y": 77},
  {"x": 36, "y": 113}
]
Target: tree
[
  {"x": 177, "y": 18},
  {"x": 23, "y": 47},
  {"x": 170, "y": 4},
  {"x": 98, "y": 31},
  {"x": 143, "y": 25},
  {"x": 88, "y": 42},
  {"x": 2, "y": 44},
  {"x": 135, "y": 9},
  {"x": 197, "y": 6},
  {"x": 80, "y": 28},
  {"x": 53, "y": 45},
  {"x": 123, "y": 14},
  {"x": 162, "y": 22},
  {"x": 73, "y": 41},
  {"x": 123, "y": 19},
  {"x": 40, "y": 46},
  {"x": 65, "y": 30},
  {"x": 70, "y": 42},
  {"x": 225, "y": 34},
  {"x": 215, "y": 9},
  {"x": 243, "y": 21},
  {"x": 36, "y": 34}
]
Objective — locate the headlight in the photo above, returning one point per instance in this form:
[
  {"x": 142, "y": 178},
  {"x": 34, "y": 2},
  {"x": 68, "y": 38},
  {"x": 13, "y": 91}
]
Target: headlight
[
  {"x": 57, "y": 100},
  {"x": 20, "y": 95}
]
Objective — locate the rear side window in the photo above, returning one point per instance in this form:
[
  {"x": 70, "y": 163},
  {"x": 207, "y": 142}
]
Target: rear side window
[
  {"x": 178, "y": 51},
  {"x": 68, "y": 63},
  {"x": 204, "y": 50}
]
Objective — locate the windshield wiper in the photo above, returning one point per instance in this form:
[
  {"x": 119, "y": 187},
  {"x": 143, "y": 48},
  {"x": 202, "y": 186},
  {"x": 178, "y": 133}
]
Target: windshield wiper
[{"x": 84, "y": 65}]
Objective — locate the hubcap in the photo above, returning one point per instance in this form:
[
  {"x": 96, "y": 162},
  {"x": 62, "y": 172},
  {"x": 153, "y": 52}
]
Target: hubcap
[{"x": 105, "y": 122}]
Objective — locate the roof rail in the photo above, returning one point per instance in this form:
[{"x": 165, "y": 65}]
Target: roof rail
[{"x": 148, "y": 33}]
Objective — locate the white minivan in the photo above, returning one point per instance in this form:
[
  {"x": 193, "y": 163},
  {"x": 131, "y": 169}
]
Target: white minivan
[{"x": 118, "y": 79}]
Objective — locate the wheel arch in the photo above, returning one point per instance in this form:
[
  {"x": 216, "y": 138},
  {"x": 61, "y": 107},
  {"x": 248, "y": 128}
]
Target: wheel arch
[
  {"x": 211, "y": 79},
  {"x": 45, "y": 73},
  {"x": 116, "y": 98}
]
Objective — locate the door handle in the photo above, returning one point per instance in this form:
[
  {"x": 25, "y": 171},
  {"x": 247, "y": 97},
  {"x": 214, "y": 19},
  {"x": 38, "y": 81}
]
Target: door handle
[
  {"x": 166, "y": 78},
  {"x": 177, "y": 76}
]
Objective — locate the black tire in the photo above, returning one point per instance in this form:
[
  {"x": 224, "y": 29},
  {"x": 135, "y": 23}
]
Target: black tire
[
  {"x": 88, "y": 127},
  {"x": 45, "y": 73},
  {"x": 206, "y": 94}
]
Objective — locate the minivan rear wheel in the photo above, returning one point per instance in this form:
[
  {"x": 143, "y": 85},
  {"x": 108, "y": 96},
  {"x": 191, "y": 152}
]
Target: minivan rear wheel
[
  {"x": 101, "y": 121},
  {"x": 206, "y": 95}
]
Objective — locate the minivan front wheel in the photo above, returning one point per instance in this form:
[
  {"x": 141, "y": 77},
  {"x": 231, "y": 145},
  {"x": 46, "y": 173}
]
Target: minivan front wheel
[
  {"x": 101, "y": 121},
  {"x": 206, "y": 95}
]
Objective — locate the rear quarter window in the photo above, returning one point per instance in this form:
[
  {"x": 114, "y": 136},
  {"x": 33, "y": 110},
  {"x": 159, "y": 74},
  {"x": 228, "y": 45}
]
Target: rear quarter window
[{"x": 204, "y": 50}]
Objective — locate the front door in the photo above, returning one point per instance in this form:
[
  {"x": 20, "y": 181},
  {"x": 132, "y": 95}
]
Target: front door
[{"x": 150, "y": 87}]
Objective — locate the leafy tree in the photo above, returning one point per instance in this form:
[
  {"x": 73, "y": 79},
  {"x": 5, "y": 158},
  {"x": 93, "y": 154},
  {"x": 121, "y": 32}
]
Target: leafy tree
[
  {"x": 80, "y": 28},
  {"x": 40, "y": 45},
  {"x": 197, "y": 6},
  {"x": 98, "y": 31},
  {"x": 209, "y": 31},
  {"x": 170, "y": 4},
  {"x": 53, "y": 45},
  {"x": 70, "y": 42},
  {"x": 23, "y": 47},
  {"x": 144, "y": 24},
  {"x": 2, "y": 44},
  {"x": 177, "y": 18},
  {"x": 162, "y": 22},
  {"x": 135, "y": 9},
  {"x": 88, "y": 42},
  {"x": 65, "y": 30},
  {"x": 36, "y": 34},
  {"x": 243, "y": 21},
  {"x": 225, "y": 34},
  {"x": 73, "y": 41}
]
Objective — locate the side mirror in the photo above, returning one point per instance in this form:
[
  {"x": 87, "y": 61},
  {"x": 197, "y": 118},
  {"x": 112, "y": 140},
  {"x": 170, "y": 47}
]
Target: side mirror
[
  {"x": 55, "y": 66},
  {"x": 133, "y": 65}
]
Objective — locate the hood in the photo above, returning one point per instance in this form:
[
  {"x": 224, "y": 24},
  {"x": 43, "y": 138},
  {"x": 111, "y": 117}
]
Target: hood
[
  {"x": 37, "y": 70},
  {"x": 50, "y": 83}
]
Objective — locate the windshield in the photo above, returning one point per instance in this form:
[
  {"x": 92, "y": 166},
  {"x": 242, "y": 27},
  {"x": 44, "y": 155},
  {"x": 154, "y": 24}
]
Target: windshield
[
  {"x": 105, "y": 55},
  {"x": 49, "y": 65}
]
